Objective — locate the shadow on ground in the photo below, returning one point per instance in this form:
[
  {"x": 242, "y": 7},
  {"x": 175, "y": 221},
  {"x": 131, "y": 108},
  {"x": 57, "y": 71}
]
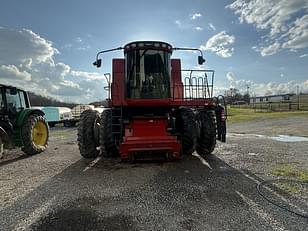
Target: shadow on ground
[{"x": 111, "y": 195}]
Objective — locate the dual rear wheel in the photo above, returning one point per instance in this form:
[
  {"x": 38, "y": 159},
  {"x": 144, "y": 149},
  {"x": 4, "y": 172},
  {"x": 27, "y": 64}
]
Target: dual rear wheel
[
  {"x": 195, "y": 129},
  {"x": 95, "y": 134}
]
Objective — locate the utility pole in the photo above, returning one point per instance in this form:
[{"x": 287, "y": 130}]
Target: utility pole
[{"x": 297, "y": 93}]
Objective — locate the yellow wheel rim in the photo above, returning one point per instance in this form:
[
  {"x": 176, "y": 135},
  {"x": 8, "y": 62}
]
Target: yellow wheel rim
[{"x": 40, "y": 133}]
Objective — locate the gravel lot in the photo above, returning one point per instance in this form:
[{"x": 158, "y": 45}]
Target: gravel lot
[{"x": 59, "y": 190}]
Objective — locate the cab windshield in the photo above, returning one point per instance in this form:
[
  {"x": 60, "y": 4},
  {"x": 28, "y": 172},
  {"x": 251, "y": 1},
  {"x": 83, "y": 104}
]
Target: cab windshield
[{"x": 148, "y": 74}]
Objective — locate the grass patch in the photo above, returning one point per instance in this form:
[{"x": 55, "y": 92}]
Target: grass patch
[
  {"x": 289, "y": 187},
  {"x": 237, "y": 115},
  {"x": 288, "y": 170}
]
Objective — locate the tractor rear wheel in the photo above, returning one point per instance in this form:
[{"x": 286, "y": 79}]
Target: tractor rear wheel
[
  {"x": 107, "y": 142},
  {"x": 34, "y": 134},
  {"x": 186, "y": 127},
  {"x": 207, "y": 138},
  {"x": 87, "y": 136}
]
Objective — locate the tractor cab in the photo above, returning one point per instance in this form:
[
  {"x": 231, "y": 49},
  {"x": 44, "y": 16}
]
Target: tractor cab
[
  {"x": 147, "y": 70},
  {"x": 12, "y": 101}
]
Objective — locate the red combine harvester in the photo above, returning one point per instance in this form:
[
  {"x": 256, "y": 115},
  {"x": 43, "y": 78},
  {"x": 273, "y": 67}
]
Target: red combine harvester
[{"x": 155, "y": 109}]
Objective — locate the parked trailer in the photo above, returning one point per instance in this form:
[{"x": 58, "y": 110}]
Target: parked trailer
[
  {"x": 77, "y": 110},
  {"x": 56, "y": 115}
]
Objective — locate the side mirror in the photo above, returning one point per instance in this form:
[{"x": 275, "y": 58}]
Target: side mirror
[
  {"x": 98, "y": 63},
  {"x": 201, "y": 60}
]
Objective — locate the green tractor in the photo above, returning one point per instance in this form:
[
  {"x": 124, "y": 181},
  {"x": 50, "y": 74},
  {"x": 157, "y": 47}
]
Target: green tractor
[{"x": 21, "y": 126}]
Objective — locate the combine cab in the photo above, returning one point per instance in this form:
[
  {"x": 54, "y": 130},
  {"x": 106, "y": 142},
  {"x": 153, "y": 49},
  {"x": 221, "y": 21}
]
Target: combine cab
[{"x": 156, "y": 109}]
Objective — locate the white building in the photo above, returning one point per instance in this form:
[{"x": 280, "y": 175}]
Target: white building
[{"x": 271, "y": 99}]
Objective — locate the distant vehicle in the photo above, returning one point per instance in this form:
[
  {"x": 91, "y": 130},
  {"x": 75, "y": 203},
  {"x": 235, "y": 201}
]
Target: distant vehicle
[
  {"x": 56, "y": 115},
  {"x": 21, "y": 125}
]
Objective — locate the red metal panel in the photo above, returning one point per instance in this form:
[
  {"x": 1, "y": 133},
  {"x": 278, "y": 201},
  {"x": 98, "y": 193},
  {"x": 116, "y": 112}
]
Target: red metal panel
[
  {"x": 144, "y": 126},
  {"x": 118, "y": 79},
  {"x": 148, "y": 102},
  {"x": 149, "y": 135},
  {"x": 177, "y": 91}
]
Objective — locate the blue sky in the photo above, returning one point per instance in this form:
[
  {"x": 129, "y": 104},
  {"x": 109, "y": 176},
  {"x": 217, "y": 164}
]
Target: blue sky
[{"x": 49, "y": 47}]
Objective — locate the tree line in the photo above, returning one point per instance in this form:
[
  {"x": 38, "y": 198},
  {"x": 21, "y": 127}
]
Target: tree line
[
  {"x": 233, "y": 96},
  {"x": 39, "y": 100}
]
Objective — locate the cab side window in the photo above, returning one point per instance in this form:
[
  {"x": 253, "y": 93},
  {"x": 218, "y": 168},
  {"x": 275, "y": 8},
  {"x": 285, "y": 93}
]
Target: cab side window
[
  {"x": 22, "y": 99},
  {"x": 15, "y": 102}
]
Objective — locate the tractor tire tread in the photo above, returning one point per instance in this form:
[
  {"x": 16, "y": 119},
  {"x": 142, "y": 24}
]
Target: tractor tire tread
[
  {"x": 107, "y": 144},
  {"x": 206, "y": 141},
  {"x": 188, "y": 130},
  {"x": 85, "y": 134},
  {"x": 29, "y": 147}
]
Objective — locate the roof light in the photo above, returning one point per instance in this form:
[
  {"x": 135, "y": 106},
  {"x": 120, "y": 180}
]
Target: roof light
[
  {"x": 156, "y": 44},
  {"x": 134, "y": 45},
  {"x": 164, "y": 45},
  {"x": 140, "y": 44}
]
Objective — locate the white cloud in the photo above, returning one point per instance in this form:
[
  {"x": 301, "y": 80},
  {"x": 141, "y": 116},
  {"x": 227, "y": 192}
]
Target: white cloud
[
  {"x": 16, "y": 46},
  {"x": 297, "y": 36},
  {"x": 220, "y": 44},
  {"x": 263, "y": 89},
  {"x": 28, "y": 61},
  {"x": 270, "y": 50},
  {"x": 83, "y": 48},
  {"x": 198, "y": 28},
  {"x": 87, "y": 75},
  {"x": 178, "y": 23},
  {"x": 284, "y": 21},
  {"x": 230, "y": 76},
  {"x": 195, "y": 16},
  {"x": 12, "y": 72},
  {"x": 78, "y": 40},
  {"x": 303, "y": 56},
  {"x": 212, "y": 26}
]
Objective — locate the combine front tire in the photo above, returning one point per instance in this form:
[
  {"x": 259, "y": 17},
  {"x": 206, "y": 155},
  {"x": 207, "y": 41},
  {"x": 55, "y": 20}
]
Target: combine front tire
[
  {"x": 186, "y": 126},
  {"x": 87, "y": 134},
  {"x": 107, "y": 142},
  {"x": 35, "y": 134},
  {"x": 207, "y": 138}
]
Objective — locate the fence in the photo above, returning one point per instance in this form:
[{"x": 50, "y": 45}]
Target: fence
[{"x": 281, "y": 106}]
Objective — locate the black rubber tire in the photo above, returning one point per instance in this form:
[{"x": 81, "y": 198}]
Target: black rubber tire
[
  {"x": 206, "y": 141},
  {"x": 107, "y": 144},
  {"x": 1, "y": 147},
  {"x": 51, "y": 124},
  {"x": 85, "y": 135},
  {"x": 186, "y": 127},
  {"x": 29, "y": 146}
]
